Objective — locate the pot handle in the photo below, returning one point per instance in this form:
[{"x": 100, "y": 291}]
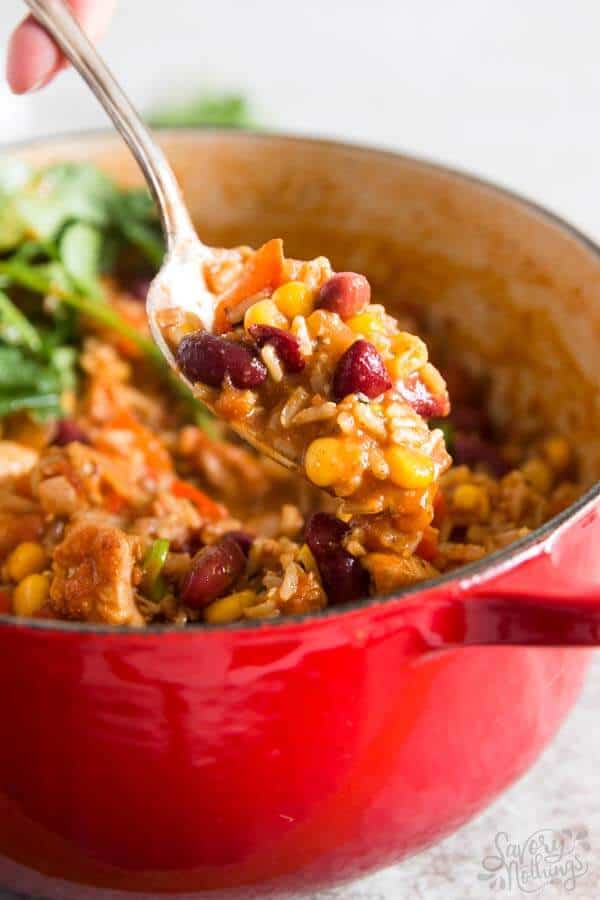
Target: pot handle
[
  {"x": 526, "y": 620},
  {"x": 548, "y": 596}
]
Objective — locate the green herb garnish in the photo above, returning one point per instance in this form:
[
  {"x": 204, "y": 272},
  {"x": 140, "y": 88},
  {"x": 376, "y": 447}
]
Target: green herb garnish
[
  {"x": 61, "y": 228},
  {"x": 153, "y": 582},
  {"x": 447, "y": 430},
  {"x": 15, "y": 328},
  {"x": 35, "y": 383},
  {"x": 218, "y": 110}
]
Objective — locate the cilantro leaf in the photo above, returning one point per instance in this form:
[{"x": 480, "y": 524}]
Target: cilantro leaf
[
  {"x": 61, "y": 228},
  {"x": 15, "y": 328},
  {"x": 29, "y": 383},
  {"x": 220, "y": 110},
  {"x": 80, "y": 249}
]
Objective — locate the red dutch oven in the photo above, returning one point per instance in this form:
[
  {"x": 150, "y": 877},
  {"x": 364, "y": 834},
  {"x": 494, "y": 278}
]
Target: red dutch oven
[{"x": 274, "y": 758}]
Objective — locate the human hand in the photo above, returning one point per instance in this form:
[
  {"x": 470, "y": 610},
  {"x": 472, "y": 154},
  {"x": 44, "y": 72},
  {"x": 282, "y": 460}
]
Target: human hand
[{"x": 34, "y": 59}]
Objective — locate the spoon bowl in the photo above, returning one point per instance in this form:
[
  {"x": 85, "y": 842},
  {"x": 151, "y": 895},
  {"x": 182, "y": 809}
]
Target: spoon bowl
[{"x": 182, "y": 276}]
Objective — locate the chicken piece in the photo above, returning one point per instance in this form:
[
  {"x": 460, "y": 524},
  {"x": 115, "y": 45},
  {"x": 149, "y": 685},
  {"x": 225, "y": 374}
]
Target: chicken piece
[
  {"x": 92, "y": 580},
  {"x": 390, "y": 571},
  {"x": 300, "y": 591},
  {"x": 15, "y": 460},
  {"x": 232, "y": 470},
  {"x": 173, "y": 518}
]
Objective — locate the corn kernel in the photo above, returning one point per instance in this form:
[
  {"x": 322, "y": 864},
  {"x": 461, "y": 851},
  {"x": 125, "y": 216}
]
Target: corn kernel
[
  {"x": 322, "y": 461},
  {"x": 294, "y": 299},
  {"x": 187, "y": 323},
  {"x": 471, "y": 498},
  {"x": 368, "y": 323},
  {"x": 320, "y": 323},
  {"x": 538, "y": 474},
  {"x": 30, "y": 594},
  {"x": 68, "y": 402},
  {"x": 409, "y": 469},
  {"x": 557, "y": 452},
  {"x": 410, "y": 354},
  {"x": 229, "y": 608},
  {"x": 332, "y": 460},
  {"x": 25, "y": 559},
  {"x": 36, "y": 435},
  {"x": 432, "y": 379},
  {"x": 306, "y": 559},
  {"x": 264, "y": 312}
]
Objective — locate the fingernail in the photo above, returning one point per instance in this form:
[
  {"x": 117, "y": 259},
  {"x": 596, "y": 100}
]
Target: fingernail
[{"x": 37, "y": 85}]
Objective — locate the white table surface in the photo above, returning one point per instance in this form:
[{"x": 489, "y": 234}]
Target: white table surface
[{"x": 509, "y": 90}]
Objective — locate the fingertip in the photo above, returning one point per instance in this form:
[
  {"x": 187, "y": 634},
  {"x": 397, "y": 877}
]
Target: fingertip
[{"x": 32, "y": 58}]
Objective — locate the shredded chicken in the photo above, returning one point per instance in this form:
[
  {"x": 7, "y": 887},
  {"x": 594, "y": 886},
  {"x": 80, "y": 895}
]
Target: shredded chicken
[
  {"x": 15, "y": 460},
  {"x": 390, "y": 572}
]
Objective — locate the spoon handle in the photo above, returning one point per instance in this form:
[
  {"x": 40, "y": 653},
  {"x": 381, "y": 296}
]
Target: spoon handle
[{"x": 58, "y": 20}]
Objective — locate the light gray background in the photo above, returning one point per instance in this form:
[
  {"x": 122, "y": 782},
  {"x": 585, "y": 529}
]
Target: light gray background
[{"x": 508, "y": 90}]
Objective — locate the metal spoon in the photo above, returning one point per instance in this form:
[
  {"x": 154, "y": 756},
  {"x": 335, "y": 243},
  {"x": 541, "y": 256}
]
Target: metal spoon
[{"x": 180, "y": 283}]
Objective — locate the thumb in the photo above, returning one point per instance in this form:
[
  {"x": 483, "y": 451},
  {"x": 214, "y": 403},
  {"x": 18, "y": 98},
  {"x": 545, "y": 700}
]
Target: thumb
[{"x": 33, "y": 57}]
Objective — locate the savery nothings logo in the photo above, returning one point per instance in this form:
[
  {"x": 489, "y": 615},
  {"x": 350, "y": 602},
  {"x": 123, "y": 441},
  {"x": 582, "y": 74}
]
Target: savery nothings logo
[{"x": 547, "y": 857}]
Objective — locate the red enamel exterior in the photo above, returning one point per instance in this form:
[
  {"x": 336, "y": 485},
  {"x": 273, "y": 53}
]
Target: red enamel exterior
[
  {"x": 275, "y": 759},
  {"x": 270, "y": 759}
]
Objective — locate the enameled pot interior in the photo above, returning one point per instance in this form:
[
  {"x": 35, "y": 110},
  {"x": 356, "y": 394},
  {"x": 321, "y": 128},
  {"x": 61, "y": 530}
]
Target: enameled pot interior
[{"x": 507, "y": 290}]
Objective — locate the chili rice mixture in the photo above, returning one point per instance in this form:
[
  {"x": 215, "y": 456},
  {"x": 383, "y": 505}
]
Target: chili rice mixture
[{"x": 122, "y": 502}]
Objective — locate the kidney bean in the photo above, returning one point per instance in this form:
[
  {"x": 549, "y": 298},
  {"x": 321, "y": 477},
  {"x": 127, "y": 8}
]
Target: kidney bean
[
  {"x": 67, "y": 432},
  {"x": 360, "y": 370},
  {"x": 139, "y": 285},
  {"x": 324, "y": 531},
  {"x": 346, "y": 294},
  {"x": 287, "y": 346},
  {"x": 208, "y": 358},
  {"x": 242, "y": 538},
  {"x": 343, "y": 577},
  {"x": 471, "y": 449},
  {"x": 469, "y": 418},
  {"x": 214, "y": 572},
  {"x": 419, "y": 397}
]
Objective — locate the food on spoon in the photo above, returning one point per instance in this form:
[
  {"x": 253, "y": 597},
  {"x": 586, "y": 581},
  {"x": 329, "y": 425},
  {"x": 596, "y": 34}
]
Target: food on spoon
[{"x": 327, "y": 378}]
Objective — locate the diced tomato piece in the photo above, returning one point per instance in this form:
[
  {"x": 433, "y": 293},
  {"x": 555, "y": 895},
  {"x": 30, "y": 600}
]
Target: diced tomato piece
[
  {"x": 203, "y": 503},
  {"x": 428, "y": 545},
  {"x": 114, "y": 502},
  {"x": 156, "y": 455},
  {"x": 440, "y": 508},
  {"x": 262, "y": 271}
]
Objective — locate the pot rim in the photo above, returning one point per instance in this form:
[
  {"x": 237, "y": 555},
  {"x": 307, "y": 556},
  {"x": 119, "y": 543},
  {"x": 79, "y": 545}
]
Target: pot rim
[{"x": 488, "y": 565}]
